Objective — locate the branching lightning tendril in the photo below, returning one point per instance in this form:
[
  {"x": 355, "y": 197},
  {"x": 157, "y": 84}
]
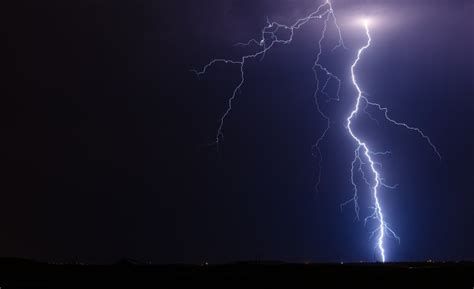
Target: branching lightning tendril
[{"x": 363, "y": 155}]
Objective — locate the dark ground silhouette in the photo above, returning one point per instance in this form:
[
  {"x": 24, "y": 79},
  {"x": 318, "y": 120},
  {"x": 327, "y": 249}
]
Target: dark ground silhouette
[{"x": 21, "y": 273}]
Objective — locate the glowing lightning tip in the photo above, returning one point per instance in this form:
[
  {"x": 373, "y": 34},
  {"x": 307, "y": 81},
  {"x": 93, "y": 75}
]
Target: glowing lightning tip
[{"x": 365, "y": 21}]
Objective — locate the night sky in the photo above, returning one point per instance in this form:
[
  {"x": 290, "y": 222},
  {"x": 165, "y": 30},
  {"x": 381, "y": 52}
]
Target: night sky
[{"x": 105, "y": 132}]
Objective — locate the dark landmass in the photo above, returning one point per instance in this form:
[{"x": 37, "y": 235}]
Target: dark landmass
[{"x": 22, "y": 273}]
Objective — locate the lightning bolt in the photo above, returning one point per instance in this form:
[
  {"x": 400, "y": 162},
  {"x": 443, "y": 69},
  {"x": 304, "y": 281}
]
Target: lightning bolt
[
  {"x": 363, "y": 152},
  {"x": 363, "y": 156},
  {"x": 378, "y": 212}
]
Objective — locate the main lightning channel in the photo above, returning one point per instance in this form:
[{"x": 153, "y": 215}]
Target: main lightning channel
[
  {"x": 378, "y": 212},
  {"x": 363, "y": 155}
]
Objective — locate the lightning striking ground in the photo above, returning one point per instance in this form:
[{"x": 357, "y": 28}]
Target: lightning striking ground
[
  {"x": 363, "y": 155},
  {"x": 383, "y": 228},
  {"x": 378, "y": 212}
]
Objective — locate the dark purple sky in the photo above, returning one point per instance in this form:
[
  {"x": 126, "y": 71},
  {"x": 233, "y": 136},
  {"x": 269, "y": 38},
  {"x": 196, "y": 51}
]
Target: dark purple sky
[{"x": 103, "y": 129}]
